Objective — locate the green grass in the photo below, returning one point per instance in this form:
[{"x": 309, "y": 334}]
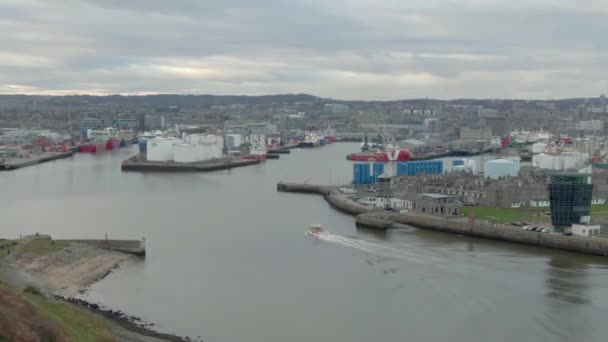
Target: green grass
[
  {"x": 6, "y": 245},
  {"x": 79, "y": 324},
  {"x": 521, "y": 214},
  {"x": 504, "y": 215},
  {"x": 599, "y": 209},
  {"x": 42, "y": 247}
]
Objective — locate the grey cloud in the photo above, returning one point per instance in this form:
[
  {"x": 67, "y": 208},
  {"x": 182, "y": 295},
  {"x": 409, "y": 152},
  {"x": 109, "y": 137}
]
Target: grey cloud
[{"x": 343, "y": 48}]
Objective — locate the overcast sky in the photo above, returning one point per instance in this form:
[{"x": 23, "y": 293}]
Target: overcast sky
[{"x": 347, "y": 49}]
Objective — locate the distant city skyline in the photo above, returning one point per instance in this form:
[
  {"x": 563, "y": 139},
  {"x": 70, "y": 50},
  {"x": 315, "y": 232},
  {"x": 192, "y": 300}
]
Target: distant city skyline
[{"x": 342, "y": 49}]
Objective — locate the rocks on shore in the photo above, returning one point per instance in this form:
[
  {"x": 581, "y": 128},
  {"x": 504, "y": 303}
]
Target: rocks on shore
[{"x": 130, "y": 322}]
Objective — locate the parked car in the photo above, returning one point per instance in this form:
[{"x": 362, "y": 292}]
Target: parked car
[
  {"x": 546, "y": 230},
  {"x": 567, "y": 234},
  {"x": 525, "y": 222},
  {"x": 404, "y": 212},
  {"x": 525, "y": 227},
  {"x": 516, "y": 223}
]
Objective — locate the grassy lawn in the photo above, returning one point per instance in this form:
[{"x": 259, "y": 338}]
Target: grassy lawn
[
  {"x": 79, "y": 324},
  {"x": 6, "y": 245},
  {"x": 599, "y": 209},
  {"x": 522, "y": 214},
  {"x": 43, "y": 247},
  {"x": 503, "y": 215}
]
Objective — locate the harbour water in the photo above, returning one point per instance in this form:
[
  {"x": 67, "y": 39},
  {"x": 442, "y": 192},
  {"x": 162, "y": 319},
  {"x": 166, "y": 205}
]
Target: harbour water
[{"x": 228, "y": 259}]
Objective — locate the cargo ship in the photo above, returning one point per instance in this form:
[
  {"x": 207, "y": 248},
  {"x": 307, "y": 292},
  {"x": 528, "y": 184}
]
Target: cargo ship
[
  {"x": 257, "y": 151},
  {"x": 381, "y": 156},
  {"x": 109, "y": 135},
  {"x": 311, "y": 140},
  {"x": 92, "y": 146}
]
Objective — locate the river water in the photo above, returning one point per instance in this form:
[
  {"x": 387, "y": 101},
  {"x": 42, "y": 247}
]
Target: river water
[{"x": 228, "y": 259}]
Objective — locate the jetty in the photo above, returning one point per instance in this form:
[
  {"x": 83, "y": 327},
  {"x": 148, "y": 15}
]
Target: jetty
[
  {"x": 139, "y": 163},
  {"x": 14, "y": 164}
]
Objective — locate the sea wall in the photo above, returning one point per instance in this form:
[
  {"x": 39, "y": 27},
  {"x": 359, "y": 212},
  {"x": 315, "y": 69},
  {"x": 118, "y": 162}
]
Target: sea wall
[
  {"x": 331, "y": 195},
  {"x": 136, "y": 247},
  {"x": 483, "y": 229},
  {"x": 17, "y": 164},
  {"x": 135, "y": 164}
]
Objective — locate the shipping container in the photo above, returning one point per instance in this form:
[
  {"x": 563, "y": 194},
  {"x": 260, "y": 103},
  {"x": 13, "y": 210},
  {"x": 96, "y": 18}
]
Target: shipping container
[{"x": 417, "y": 167}]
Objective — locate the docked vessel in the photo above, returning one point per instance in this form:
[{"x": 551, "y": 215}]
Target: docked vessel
[
  {"x": 92, "y": 146},
  {"x": 109, "y": 136},
  {"x": 311, "y": 140},
  {"x": 127, "y": 137},
  {"x": 257, "y": 151},
  {"x": 381, "y": 156}
]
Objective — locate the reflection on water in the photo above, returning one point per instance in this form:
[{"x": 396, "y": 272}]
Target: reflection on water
[{"x": 567, "y": 280}]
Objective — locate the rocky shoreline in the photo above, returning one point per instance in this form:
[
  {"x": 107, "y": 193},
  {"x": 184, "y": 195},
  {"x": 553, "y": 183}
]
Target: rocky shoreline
[{"x": 132, "y": 323}]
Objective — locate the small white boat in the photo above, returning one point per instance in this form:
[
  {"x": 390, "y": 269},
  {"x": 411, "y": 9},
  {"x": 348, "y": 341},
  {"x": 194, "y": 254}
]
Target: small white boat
[{"x": 315, "y": 230}]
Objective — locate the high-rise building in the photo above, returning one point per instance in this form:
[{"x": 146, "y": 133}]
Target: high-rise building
[
  {"x": 293, "y": 122},
  {"x": 89, "y": 123},
  {"x": 337, "y": 109},
  {"x": 126, "y": 123},
  {"x": 471, "y": 134},
  {"x": 154, "y": 122},
  {"x": 491, "y": 119},
  {"x": 570, "y": 199},
  {"x": 591, "y": 125}
]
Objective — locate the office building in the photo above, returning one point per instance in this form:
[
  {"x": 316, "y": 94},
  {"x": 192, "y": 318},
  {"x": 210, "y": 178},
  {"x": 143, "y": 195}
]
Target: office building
[
  {"x": 89, "y": 123},
  {"x": 570, "y": 199},
  {"x": 475, "y": 134}
]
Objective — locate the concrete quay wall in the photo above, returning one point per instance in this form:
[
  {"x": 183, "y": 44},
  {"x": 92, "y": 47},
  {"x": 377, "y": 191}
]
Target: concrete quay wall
[
  {"x": 333, "y": 197},
  {"x": 137, "y": 247},
  {"x": 134, "y": 164},
  {"x": 17, "y": 164},
  {"x": 597, "y": 246}
]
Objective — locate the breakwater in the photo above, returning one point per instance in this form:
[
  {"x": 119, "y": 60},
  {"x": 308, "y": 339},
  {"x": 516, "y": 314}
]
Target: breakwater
[
  {"x": 138, "y": 164},
  {"x": 136, "y": 247},
  {"x": 380, "y": 219},
  {"x": 20, "y": 163},
  {"x": 331, "y": 195}
]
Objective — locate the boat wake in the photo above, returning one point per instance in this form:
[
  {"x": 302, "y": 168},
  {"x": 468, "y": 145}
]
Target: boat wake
[{"x": 377, "y": 249}]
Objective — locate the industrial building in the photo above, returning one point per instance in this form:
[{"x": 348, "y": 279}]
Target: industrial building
[
  {"x": 413, "y": 168},
  {"x": 293, "y": 122},
  {"x": 89, "y": 123},
  {"x": 475, "y": 134},
  {"x": 570, "y": 199},
  {"x": 366, "y": 174},
  {"x": 152, "y": 122},
  {"x": 126, "y": 123},
  {"x": 494, "y": 121},
  {"x": 591, "y": 125}
]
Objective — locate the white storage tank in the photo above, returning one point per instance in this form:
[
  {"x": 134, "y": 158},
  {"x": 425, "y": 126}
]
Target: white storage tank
[
  {"x": 498, "y": 168},
  {"x": 234, "y": 141},
  {"x": 159, "y": 149},
  {"x": 185, "y": 153},
  {"x": 538, "y": 147}
]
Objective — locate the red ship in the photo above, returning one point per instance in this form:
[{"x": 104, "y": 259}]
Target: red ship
[
  {"x": 91, "y": 147},
  {"x": 379, "y": 156},
  {"x": 112, "y": 143}
]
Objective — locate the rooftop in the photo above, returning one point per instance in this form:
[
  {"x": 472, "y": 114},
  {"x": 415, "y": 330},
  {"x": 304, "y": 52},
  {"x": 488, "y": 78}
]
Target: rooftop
[{"x": 436, "y": 196}]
